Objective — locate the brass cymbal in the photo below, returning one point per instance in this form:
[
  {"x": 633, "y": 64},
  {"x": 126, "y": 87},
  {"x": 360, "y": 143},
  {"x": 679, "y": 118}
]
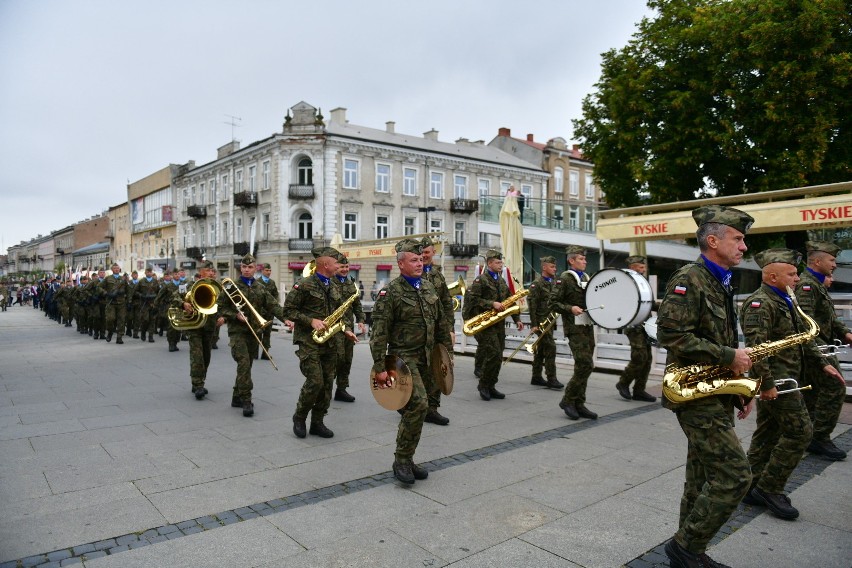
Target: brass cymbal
[
  {"x": 398, "y": 394},
  {"x": 442, "y": 368}
]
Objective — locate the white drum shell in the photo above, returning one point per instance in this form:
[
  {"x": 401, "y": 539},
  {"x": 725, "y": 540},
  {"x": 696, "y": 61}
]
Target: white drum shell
[{"x": 625, "y": 295}]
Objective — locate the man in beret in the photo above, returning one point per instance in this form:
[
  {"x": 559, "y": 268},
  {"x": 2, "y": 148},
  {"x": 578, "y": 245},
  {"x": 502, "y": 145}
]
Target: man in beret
[
  {"x": 569, "y": 299},
  {"x": 697, "y": 324},
  {"x": 825, "y": 401},
  {"x": 145, "y": 294},
  {"x": 354, "y": 313},
  {"x": 488, "y": 292},
  {"x": 265, "y": 278},
  {"x": 540, "y": 311},
  {"x": 639, "y": 367},
  {"x": 310, "y": 302},
  {"x": 408, "y": 321},
  {"x": 783, "y": 425}
]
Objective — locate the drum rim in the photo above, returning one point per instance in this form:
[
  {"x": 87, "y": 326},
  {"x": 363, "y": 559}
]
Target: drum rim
[{"x": 630, "y": 273}]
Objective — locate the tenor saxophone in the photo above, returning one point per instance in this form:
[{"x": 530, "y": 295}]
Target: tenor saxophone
[
  {"x": 691, "y": 382},
  {"x": 334, "y": 322},
  {"x": 486, "y": 319}
]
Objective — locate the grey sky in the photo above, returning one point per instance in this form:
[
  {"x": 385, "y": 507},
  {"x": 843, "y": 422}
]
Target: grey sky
[{"x": 96, "y": 93}]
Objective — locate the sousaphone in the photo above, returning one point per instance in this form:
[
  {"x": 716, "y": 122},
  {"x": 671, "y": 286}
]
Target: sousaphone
[
  {"x": 398, "y": 394},
  {"x": 442, "y": 368}
]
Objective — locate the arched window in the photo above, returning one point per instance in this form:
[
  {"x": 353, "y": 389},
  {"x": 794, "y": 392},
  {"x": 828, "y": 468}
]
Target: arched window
[
  {"x": 306, "y": 172},
  {"x": 306, "y": 226}
]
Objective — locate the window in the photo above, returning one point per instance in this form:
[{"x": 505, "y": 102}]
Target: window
[
  {"x": 484, "y": 187},
  {"x": 265, "y": 226},
  {"x": 436, "y": 185},
  {"x": 212, "y": 234},
  {"x": 306, "y": 172},
  {"x": 558, "y": 179},
  {"x": 212, "y": 192},
  {"x": 526, "y": 191},
  {"x": 383, "y": 178},
  {"x": 436, "y": 225},
  {"x": 192, "y": 195},
  {"x": 201, "y": 236},
  {"x": 202, "y": 193},
  {"x": 409, "y": 181},
  {"x": 238, "y": 181},
  {"x": 504, "y": 187},
  {"x": 252, "y": 179},
  {"x": 574, "y": 183},
  {"x": 305, "y": 226},
  {"x": 226, "y": 237},
  {"x": 350, "y": 174},
  {"x": 238, "y": 231},
  {"x": 225, "y": 188},
  {"x": 558, "y": 216},
  {"x": 573, "y": 218},
  {"x": 590, "y": 187},
  {"x": 460, "y": 187},
  {"x": 458, "y": 233},
  {"x": 590, "y": 221},
  {"x": 382, "y": 225},
  {"x": 350, "y": 226},
  {"x": 265, "y": 175},
  {"x": 409, "y": 226}
]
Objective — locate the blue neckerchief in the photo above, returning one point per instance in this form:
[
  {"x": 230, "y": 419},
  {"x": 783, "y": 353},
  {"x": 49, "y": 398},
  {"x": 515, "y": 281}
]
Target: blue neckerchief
[
  {"x": 427, "y": 268},
  {"x": 722, "y": 275},
  {"x": 580, "y": 273},
  {"x": 247, "y": 281},
  {"x": 265, "y": 279},
  {"x": 100, "y": 279},
  {"x": 413, "y": 280},
  {"x": 323, "y": 279},
  {"x": 116, "y": 276},
  {"x": 341, "y": 279},
  {"x": 135, "y": 281},
  {"x": 546, "y": 279},
  {"x": 817, "y": 275},
  {"x": 494, "y": 275},
  {"x": 784, "y": 296},
  {"x": 149, "y": 278}
]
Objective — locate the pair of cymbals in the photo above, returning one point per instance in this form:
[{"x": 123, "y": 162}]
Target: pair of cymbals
[{"x": 399, "y": 392}]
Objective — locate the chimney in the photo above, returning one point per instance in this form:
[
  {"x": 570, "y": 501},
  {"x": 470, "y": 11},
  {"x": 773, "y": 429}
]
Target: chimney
[
  {"x": 463, "y": 141},
  {"x": 390, "y": 127},
  {"x": 504, "y": 131},
  {"x": 338, "y": 115},
  {"x": 575, "y": 147},
  {"x": 530, "y": 138},
  {"x": 431, "y": 135}
]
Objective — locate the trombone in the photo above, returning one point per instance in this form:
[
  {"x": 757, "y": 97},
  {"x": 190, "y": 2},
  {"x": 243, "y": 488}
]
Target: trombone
[
  {"x": 543, "y": 328},
  {"x": 240, "y": 301}
]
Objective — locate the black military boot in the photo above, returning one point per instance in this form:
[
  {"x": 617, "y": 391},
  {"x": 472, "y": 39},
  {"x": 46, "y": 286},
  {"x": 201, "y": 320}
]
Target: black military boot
[
  {"x": 236, "y": 402},
  {"x": 585, "y": 412},
  {"x": 299, "y": 427},
  {"x": 643, "y": 396},
  {"x": 496, "y": 394},
  {"x": 434, "y": 417},
  {"x": 321, "y": 430},
  {"x": 778, "y": 503},
  {"x": 199, "y": 392},
  {"x": 827, "y": 449},
  {"x": 150, "y": 337},
  {"x": 173, "y": 348},
  {"x": 404, "y": 472},
  {"x": 679, "y": 557},
  {"x": 623, "y": 390},
  {"x": 538, "y": 382},
  {"x": 552, "y": 383},
  {"x": 570, "y": 410},
  {"x": 248, "y": 409},
  {"x": 119, "y": 340},
  {"x": 109, "y": 336},
  {"x": 420, "y": 473},
  {"x": 91, "y": 331},
  {"x": 136, "y": 335},
  {"x": 343, "y": 396}
]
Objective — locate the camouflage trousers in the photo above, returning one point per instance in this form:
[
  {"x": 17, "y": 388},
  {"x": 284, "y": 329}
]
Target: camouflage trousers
[
  {"x": 146, "y": 319},
  {"x": 114, "y": 315},
  {"x": 244, "y": 349},
  {"x": 581, "y": 338},
  {"x": 490, "y": 344},
  {"x": 344, "y": 363},
  {"x": 130, "y": 321},
  {"x": 545, "y": 357},
  {"x": 200, "y": 343},
  {"x": 266, "y": 337},
  {"x": 717, "y": 471},
  {"x": 66, "y": 312},
  {"x": 783, "y": 432},
  {"x": 96, "y": 318},
  {"x": 639, "y": 367},
  {"x": 318, "y": 363},
  {"x": 825, "y": 401},
  {"x": 411, "y": 424}
]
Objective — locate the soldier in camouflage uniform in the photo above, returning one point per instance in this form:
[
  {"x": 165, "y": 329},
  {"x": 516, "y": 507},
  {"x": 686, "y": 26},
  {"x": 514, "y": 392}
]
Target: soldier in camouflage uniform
[
  {"x": 408, "y": 321},
  {"x": 163, "y": 300},
  {"x": 825, "y": 401},
  {"x": 244, "y": 344},
  {"x": 145, "y": 295},
  {"x": 639, "y": 367},
  {"x": 540, "y": 310},
  {"x": 435, "y": 276},
  {"x": 4, "y": 296},
  {"x": 697, "y": 324},
  {"x": 131, "y": 323},
  {"x": 65, "y": 298},
  {"x": 164, "y": 292},
  {"x": 114, "y": 290},
  {"x": 569, "y": 299},
  {"x": 80, "y": 301},
  {"x": 487, "y": 292},
  {"x": 356, "y": 312},
  {"x": 96, "y": 305},
  {"x": 266, "y": 279},
  {"x": 783, "y": 425},
  {"x": 308, "y": 304}
]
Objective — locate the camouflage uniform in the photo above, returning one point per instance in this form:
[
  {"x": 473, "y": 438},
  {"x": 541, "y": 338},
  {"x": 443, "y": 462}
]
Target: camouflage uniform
[
  {"x": 200, "y": 344},
  {"x": 4, "y": 301},
  {"x": 309, "y": 299},
  {"x": 95, "y": 308},
  {"x": 272, "y": 288},
  {"x": 347, "y": 287},
  {"x": 540, "y": 309},
  {"x": 146, "y": 314},
  {"x": 164, "y": 299},
  {"x": 825, "y": 401},
  {"x": 114, "y": 290},
  {"x": 639, "y": 367},
  {"x": 435, "y": 277},
  {"x": 568, "y": 292},
  {"x": 80, "y": 311},
  {"x": 408, "y": 323},
  {"x": 131, "y": 322}
]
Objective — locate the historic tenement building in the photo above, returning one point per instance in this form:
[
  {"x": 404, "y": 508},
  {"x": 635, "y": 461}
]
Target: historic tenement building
[{"x": 145, "y": 233}]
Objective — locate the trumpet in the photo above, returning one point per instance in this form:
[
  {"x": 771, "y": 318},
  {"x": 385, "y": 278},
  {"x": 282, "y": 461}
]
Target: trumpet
[
  {"x": 456, "y": 289},
  {"x": 203, "y": 296},
  {"x": 794, "y": 388},
  {"x": 832, "y": 349},
  {"x": 240, "y": 301}
]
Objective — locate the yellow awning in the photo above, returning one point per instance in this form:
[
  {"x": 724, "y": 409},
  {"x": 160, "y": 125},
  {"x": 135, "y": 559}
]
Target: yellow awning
[{"x": 384, "y": 248}]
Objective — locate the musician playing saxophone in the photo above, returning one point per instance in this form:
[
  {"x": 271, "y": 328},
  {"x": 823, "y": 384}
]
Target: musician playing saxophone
[
  {"x": 309, "y": 303},
  {"x": 540, "y": 310},
  {"x": 783, "y": 426},
  {"x": 487, "y": 293},
  {"x": 697, "y": 324}
]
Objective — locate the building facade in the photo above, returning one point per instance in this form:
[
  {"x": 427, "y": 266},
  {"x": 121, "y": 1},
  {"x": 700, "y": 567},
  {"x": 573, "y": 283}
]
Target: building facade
[{"x": 150, "y": 222}]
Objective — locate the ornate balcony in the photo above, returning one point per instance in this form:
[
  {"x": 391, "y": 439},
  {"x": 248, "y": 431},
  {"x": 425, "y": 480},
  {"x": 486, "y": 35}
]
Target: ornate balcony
[
  {"x": 241, "y": 249},
  {"x": 196, "y": 211},
  {"x": 194, "y": 252},
  {"x": 463, "y": 251},
  {"x": 301, "y": 244},
  {"x": 464, "y": 205},
  {"x": 298, "y": 191},
  {"x": 245, "y": 199}
]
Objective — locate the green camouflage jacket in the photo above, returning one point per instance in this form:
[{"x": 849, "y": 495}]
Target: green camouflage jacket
[
  {"x": 436, "y": 278},
  {"x": 260, "y": 299},
  {"x": 539, "y": 301},
  {"x": 311, "y": 299},
  {"x": 484, "y": 291},
  {"x": 815, "y": 301},
  {"x": 347, "y": 288},
  {"x": 114, "y": 288},
  {"x": 568, "y": 292}
]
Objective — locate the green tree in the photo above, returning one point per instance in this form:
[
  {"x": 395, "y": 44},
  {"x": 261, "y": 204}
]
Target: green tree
[{"x": 723, "y": 96}]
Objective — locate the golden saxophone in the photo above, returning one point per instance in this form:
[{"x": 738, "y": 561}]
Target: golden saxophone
[
  {"x": 683, "y": 384},
  {"x": 334, "y": 322},
  {"x": 486, "y": 319}
]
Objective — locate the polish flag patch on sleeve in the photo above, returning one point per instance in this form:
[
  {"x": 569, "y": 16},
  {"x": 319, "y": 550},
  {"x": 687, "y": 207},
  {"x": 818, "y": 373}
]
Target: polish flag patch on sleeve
[
  {"x": 296, "y": 286},
  {"x": 680, "y": 290},
  {"x": 755, "y": 304},
  {"x": 383, "y": 293},
  {"x": 806, "y": 287}
]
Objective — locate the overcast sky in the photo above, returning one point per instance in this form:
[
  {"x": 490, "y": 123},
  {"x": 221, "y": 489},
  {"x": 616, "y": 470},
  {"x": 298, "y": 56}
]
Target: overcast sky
[{"x": 94, "y": 94}]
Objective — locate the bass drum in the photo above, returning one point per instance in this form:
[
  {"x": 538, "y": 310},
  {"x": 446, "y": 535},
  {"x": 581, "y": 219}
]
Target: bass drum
[{"x": 618, "y": 298}]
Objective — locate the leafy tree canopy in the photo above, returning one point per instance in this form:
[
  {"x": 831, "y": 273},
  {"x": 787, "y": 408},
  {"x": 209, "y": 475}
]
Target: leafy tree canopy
[{"x": 725, "y": 97}]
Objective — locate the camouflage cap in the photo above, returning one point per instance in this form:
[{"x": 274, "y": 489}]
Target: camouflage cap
[
  {"x": 493, "y": 254},
  {"x": 575, "y": 249},
  {"x": 325, "y": 251},
  {"x": 771, "y": 256},
  {"x": 206, "y": 264},
  {"x": 636, "y": 259},
  {"x": 822, "y": 246},
  {"x": 729, "y": 216},
  {"x": 427, "y": 242},
  {"x": 149, "y": 267},
  {"x": 342, "y": 259},
  {"x": 409, "y": 245},
  {"x": 248, "y": 259},
  {"x": 548, "y": 259}
]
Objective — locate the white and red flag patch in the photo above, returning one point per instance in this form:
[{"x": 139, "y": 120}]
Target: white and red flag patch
[
  {"x": 755, "y": 304},
  {"x": 806, "y": 287},
  {"x": 680, "y": 290}
]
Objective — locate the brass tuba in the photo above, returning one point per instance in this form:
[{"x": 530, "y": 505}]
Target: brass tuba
[
  {"x": 486, "y": 319},
  {"x": 457, "y": 288},
  {"x": 202, "y": 296},
  {"x": 334, "y": 322},
  {"x": 683, "y": 384}
]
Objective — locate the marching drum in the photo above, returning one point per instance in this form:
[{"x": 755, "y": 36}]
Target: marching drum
[
  {"x": 650, "y": 326},
  {"x": 618, "y": 298}
]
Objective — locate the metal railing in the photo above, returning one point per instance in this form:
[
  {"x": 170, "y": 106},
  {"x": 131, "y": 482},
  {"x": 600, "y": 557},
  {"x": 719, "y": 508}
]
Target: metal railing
[{"x": 543, "y": 213}]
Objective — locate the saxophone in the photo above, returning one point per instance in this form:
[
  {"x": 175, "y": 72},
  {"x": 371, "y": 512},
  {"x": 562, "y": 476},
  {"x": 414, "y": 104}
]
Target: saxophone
[
  {"x": 486, "y": 319},
  {"x": 334, "y": 322},
  {"x": 691, "y": 382}
]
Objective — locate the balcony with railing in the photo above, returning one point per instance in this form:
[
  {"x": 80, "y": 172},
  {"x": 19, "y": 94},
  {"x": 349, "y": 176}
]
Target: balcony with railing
[
  {"x": 301, "y": 191},
  {"x": 245, "y": 199},
  {"x": 541, "y": 213},
  {"x": 241, "y": 249},
  {"x": 194, "y": 252},
  {"x": 301, "y": 244},
  {"x": 463, "y": 251},
  {"x": 464, "y": 205},
  {"x": 196, "y": 211}
]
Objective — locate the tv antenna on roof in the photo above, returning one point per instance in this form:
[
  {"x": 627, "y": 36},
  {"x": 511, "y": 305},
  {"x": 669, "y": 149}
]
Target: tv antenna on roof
[{"x": 233, "y": 123}]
